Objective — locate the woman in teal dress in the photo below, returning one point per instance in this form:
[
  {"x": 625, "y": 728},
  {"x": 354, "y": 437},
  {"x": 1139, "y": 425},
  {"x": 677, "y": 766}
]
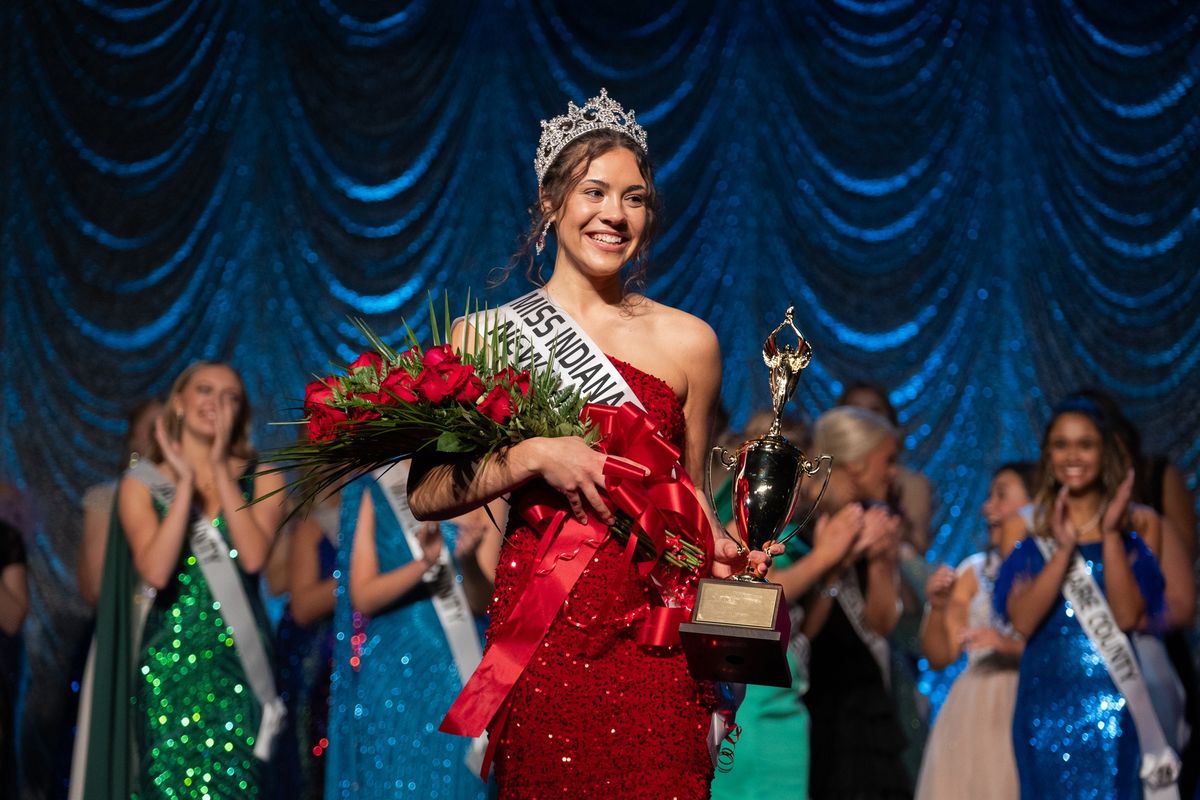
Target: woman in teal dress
[
  {"x": 197, "y": 714},
  {"x": 771, "y": 757},
  {"x": 395, "y": 672}
]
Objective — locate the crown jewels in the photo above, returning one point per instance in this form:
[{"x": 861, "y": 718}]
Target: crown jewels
[{"x": 599, "y": 113}]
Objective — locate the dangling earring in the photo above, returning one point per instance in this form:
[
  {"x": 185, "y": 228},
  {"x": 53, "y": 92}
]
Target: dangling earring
[{"x": 541, "y": 242}]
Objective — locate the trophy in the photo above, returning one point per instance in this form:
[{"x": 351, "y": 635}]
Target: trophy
[{"x": 740, "y": 627}]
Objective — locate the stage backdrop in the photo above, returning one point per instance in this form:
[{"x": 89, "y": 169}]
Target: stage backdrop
[{"x": 981, "y": 204}]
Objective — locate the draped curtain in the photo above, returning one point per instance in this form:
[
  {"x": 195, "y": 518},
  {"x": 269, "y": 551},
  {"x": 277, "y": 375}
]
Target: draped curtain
[{"x": 979, "y": 204}]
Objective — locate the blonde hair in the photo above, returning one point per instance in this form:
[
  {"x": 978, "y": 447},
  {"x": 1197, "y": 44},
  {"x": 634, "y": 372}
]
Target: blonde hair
[
  {"x": 849, "y": 433},
  {"x": 239, "y": 438}
]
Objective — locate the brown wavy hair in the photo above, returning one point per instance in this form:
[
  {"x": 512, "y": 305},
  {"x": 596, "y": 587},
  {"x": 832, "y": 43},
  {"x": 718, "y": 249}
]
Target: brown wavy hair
[
  {"x": 239, "y": 439},
  {"x": 1113, "y": 462},
  {"x": 568, "y": 169}
]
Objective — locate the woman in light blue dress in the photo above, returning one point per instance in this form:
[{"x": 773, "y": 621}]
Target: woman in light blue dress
[{"x": 395, "y": 674}]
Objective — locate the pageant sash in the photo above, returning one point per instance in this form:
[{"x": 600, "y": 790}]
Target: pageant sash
[
  {"x": 449, "y": 598},
  {"x": 538, "y": 332},
  {"x": 1160, "y": 765},
  {"x": 225, "y": 583},
  {"x": 849, "y": 596}
]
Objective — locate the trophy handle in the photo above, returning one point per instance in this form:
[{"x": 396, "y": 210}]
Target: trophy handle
[
  {"x": 727, "y": 461},
  {"x": 811, "y": 470}
]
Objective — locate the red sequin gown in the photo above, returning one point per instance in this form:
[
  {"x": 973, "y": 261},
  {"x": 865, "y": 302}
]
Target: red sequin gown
[{"x": 594, "y": 714}]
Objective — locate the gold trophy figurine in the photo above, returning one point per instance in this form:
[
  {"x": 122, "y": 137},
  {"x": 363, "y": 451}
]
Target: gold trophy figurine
[{"x": 739, "y": 629}]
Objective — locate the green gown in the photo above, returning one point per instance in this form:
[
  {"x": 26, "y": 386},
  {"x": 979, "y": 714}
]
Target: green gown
[
  {"x": 771, "y": 755},
  {"x": 196, "y": 716}
]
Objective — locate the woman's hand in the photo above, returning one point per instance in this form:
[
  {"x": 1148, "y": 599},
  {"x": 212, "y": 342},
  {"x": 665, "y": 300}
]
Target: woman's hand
[
  {"x": 984, "y": 638},
  {"x": 881, "y": 533},
  {"x": 172, "y": 453},
  {"x": 1065, "y": 532},
  {"x": 429, "y": 536},
  {"x": 939, "y": 586},
  {"x": 1118, "y": 510},
  {"x": 222, "y": 430},
  {"x": 576, "y": 470},
  {"x": 835, "y": 535},
  {"x": 732, "y": 558}
]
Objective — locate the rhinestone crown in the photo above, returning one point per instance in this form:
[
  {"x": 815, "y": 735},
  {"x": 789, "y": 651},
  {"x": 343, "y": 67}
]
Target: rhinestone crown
[{"x": 601, "y": 112}]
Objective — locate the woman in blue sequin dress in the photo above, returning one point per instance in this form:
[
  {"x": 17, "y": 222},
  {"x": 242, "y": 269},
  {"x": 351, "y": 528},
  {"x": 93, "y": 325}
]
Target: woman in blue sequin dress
[
  {"x": 1073, "y": 736},
  {"x": 394, "y": 672}
]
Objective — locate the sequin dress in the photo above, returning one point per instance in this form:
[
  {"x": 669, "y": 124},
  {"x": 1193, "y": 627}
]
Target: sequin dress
[
  {"x": 196, "y": 714},
  {"x": 394, "y": 678},
  {"x": 1072, "y": 735},
  {"x": 969, "y": 752},
  {"x": 594, "y": 715}
]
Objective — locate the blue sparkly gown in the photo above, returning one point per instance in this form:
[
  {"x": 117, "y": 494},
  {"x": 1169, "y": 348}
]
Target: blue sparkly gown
[
  {"x": 384, "y": 713},
  {"x": 1072, "y": 735}
]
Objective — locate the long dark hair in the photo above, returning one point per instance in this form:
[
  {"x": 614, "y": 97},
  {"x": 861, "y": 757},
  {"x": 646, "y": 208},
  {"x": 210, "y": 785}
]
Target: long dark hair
[
  {"x": 568, "y": 169},
  {"x": 1113, "y": 463}
]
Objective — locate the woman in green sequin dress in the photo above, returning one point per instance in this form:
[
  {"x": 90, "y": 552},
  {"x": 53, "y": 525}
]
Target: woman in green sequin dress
[{"x": 196, "y": 716}]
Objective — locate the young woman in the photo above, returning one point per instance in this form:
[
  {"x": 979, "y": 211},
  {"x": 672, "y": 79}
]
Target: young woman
[
  {"x": 198, "y": 697},
  {"x": 1073, "y": 735},
  {"x": 857, "y": 742},
  {"x": 401, "y": 657},
  {"x": 969, "y": 752},
  {"x": 588, "y": 711}
]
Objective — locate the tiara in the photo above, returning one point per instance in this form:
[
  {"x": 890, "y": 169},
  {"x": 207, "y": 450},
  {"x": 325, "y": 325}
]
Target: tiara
[{"x": 599, "y": 113}]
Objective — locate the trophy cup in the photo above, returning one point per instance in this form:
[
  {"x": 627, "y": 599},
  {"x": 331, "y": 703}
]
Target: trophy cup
[{"x": 740, "y": 627}]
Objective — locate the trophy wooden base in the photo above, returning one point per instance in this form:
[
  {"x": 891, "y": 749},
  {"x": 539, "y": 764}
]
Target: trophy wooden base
[{"x": 739, "y": 632}]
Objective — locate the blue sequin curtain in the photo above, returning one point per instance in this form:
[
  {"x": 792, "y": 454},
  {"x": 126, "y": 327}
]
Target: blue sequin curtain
[{"x": 980, "y": 204}]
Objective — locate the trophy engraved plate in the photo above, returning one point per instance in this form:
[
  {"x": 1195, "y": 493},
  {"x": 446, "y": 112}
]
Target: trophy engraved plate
[
  {"x": 737, "y": 603},
  {"x": 740, "y": 627}
]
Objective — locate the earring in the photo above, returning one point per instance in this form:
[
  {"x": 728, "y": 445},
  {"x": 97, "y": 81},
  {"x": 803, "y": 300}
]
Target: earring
[{"x": 541, "y": 242}]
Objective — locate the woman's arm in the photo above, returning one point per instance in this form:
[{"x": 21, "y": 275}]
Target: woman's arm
[
  {"x": 251, "y": 528},
  {"x": 154, "y": 544},
  {"x": 14, "y": 598},
  {"x": 276, "y": 571},
  {"x": 882, "y": 610},
  {"x": 946, "y": 613},
  {"x": 312, "y": 597},
  {"x": 1030, "y": 601},
  {"x": 1180, "y": 591},
  {"x": 1180, "y": 509},
  {"x": 833, "y": 536},
  {"x": 97, "y": 516},
  {"x": 477, "y": 551},
  {"x": 372, "y": 591},
  {"x": 1120, "y": 585}
]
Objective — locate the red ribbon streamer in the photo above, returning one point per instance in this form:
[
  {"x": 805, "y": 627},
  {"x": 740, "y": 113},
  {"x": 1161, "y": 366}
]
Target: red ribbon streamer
[{"x": 661, "y": 505}]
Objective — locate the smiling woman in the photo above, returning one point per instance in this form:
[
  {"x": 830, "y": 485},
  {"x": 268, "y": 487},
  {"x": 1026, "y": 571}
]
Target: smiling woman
[
  {"x": 203, "y": 703},
  {"x": 584, "y": 688}
]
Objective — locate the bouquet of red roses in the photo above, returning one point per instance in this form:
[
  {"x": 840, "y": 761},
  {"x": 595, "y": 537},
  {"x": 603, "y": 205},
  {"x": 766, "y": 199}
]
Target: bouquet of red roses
[{"x": 388, "y": 405}]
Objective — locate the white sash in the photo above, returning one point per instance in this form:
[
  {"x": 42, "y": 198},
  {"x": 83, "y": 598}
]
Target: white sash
[
  {"x": 1160, "y": 766},
  {"x": 449, "y": 598},
  {"x": 538, "y": 333},
  {"x": 849, "y": 596},
  {"x": 225, "y": 583}
]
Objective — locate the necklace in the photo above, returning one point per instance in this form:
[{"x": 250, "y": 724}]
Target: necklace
[{"x": 1090, "y": 524}]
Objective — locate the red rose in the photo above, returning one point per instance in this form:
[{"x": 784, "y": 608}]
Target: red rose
[
  {"x": 471, "y": 391},
  {"x": 517, "y": 380},
  {"x": 437, "y": 356},
  {"x": 438, "y": 384},
  {"x": 497, "y": 406},
  {"x": 399, "y": 384},
  {"x": 367, "y": 412},
  {"x": 323, "y": 418},
  {"x": 368, "y": 359}
]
